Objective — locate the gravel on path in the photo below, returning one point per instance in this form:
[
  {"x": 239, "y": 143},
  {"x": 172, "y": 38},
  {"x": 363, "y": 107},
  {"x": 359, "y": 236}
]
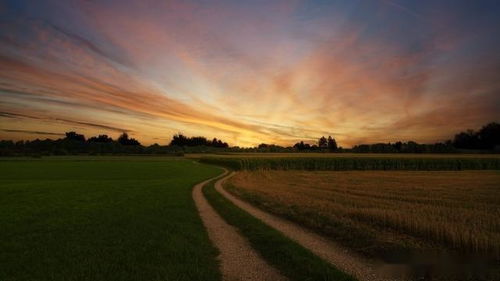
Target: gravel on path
[
  {"x": 340, "y": 257},
  {"x": 238, "y": 260}
]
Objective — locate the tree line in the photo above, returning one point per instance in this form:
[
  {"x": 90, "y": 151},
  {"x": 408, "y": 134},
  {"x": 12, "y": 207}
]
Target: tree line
[
  {"x": 74, "y": 143},
  {"x": 181, "y": 140},
  {"x": 486, "y": 139},
  {"x": 324, "y": 144}
]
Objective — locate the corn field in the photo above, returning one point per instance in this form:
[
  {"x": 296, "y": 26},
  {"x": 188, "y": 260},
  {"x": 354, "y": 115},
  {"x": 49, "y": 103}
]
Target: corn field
[{"x": 355, "y": 163}]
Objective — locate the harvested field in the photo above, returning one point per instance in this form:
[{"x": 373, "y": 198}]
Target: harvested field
[{"x": 386, "y": 213}]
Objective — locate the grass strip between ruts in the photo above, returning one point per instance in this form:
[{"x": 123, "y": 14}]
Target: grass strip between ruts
[{"x": 293, "y": 260}]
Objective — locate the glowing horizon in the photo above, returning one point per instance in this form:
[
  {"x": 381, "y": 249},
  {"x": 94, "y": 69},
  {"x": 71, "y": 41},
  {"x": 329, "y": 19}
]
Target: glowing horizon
[{"x": 249, "y": 72}]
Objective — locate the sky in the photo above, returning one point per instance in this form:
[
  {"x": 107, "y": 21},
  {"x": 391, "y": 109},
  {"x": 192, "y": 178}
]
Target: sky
[{"x": 249, "y": 72}]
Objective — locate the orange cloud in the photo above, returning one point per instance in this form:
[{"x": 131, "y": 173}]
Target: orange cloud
[{"x": 247, "y": 76}]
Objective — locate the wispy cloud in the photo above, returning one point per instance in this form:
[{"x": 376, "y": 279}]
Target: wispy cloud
[
  {"x": 32, "y": 132},
  {"x": 273, "y": 72},
  {"x": 402, "y": 8},
  {"x": 66, "y": 121}
]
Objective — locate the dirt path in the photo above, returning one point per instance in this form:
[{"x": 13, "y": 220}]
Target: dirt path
[
  {"x": 237, "y": 258},
  {"x": 341, "y": 257}
]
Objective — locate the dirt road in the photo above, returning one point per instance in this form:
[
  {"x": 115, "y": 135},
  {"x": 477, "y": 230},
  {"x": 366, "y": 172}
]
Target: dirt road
[
  {"x": 237, "y": 258},
  {"x": 340, "y": 257}
]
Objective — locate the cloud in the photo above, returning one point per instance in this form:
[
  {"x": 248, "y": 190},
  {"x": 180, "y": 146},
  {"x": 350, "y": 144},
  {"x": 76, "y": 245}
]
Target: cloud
[
  {"x": 277, "y": 72},
  {"x": 32, "y": 132},
  {"x": 402, "y": 8},
  {"x": 66, "y": 121}
]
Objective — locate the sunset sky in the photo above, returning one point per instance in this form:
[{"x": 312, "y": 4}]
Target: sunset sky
[{"x": 249, "y": 71}]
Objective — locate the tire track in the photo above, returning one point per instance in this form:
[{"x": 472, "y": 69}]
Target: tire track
[
  {"x": 340, "y": 257},
  {"x": 238, "y": 260}
]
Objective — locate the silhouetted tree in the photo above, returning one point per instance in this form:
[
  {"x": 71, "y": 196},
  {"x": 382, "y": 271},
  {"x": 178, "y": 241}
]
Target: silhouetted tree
[
  {"x": 398, "y": 146},
  {"x": 299, "y": 146},
  {"x": 178, "y": 140},
  {"x": 466, "y": 140},
  {"x": 73, "y": 143},
  {"x": 302, "y": 146},
  {"x": 181, "y": 140},
  {"x": 73, "y": 136},
  {"x": 101, "y": 139},
  {"x": 197, "y": 141},
  {"x": 489, "y": 136},
  {"x": 215, "y": 142},
  {"x": 332, "y": 144},
  {"x": 486, "y": 139},
  {"x": 322, "y": 142},
  {"x": 404, "y": 147},
  {"x": 125, "y": 140}
]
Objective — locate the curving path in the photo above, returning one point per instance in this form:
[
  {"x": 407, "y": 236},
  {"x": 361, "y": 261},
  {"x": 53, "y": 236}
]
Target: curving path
[
  {"x": 238, "y": 260},
  {"x": 340, "y": 257}
]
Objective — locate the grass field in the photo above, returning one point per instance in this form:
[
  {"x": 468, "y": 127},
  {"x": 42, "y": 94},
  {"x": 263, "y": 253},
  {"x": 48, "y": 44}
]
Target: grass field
[
  {"x": 98, "y": 218},
  {"x": 385, "y": 213}
]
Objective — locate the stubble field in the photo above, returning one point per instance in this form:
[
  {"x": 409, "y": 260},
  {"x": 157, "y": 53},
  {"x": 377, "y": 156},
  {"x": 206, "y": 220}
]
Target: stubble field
[{"x": 385, "y": 213}]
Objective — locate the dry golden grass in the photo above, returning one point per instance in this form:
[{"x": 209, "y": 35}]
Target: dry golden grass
[{"x": 377, "y": 212}]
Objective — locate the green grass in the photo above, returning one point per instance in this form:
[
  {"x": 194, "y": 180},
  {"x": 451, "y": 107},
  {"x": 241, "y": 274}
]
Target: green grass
[
  {"x": 103, "y": 219},
  {"x": 294, "y": 261},
  {"x": 355, "y": 163}
]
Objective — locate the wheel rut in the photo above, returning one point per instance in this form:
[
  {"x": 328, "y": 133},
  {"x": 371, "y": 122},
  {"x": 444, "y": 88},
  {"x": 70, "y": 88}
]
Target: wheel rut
[
  {"x": 238, "y": 260},
  {"x": 340, "y": 257}
]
